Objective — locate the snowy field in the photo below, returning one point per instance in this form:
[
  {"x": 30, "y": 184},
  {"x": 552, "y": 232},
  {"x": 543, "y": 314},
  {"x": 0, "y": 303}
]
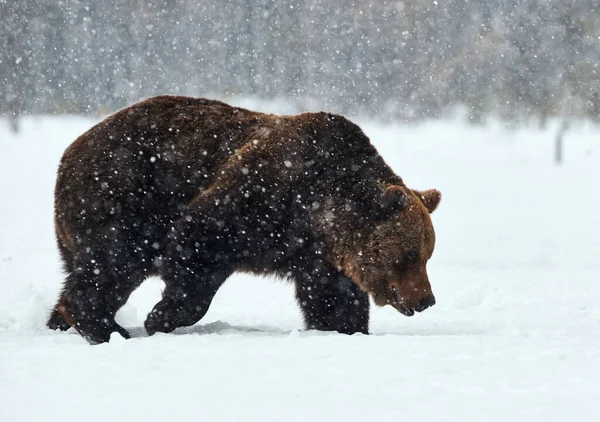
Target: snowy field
[{"x": 515, "y": 334}]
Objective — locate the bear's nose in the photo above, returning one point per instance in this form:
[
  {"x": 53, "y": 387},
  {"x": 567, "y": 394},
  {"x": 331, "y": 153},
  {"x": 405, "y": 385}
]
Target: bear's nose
[{"x": 425, "y": 303}]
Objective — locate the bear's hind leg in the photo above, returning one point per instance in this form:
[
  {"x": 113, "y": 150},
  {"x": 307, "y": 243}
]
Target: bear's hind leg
[
  {"x": 330, "y": 301},
  {"x": 193, "y": 270},
  {"x": 56, "y": 321},
  {"x": 92, "y": 295},
  {"x": 186, "y": 298}
]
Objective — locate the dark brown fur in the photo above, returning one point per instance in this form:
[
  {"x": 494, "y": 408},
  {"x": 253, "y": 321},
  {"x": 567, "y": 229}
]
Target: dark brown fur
[{"x": 194, "y": 190}]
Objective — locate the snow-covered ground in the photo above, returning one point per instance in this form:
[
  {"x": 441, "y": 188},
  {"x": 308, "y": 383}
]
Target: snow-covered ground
[{"x": 515, "y": 334}]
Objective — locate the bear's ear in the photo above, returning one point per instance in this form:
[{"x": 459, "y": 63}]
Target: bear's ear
[
  {"x": 393, "y": 199},
  {"x": 430, "y": 198}
]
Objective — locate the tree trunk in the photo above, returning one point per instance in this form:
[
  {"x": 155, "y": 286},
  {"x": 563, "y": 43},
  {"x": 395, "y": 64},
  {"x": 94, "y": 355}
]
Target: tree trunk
[
  {"x": 558, "y": 145},
  {"x": 13, "y": 91}
]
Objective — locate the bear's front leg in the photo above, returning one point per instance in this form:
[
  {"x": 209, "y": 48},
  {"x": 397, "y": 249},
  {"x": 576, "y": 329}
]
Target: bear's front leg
[{"x": 330, "y": 301}]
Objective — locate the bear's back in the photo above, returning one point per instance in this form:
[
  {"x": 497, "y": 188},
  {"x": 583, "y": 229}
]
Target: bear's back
[{"x": 155, "y": 155}]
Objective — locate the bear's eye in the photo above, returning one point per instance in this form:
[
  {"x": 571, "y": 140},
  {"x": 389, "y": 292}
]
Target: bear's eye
[{"x": 412, "y": 257}]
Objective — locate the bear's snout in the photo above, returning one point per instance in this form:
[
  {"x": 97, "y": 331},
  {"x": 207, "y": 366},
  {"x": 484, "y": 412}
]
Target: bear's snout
[
  {"x": 426, "y": 302},
  {"x": 407, "y": 303}
]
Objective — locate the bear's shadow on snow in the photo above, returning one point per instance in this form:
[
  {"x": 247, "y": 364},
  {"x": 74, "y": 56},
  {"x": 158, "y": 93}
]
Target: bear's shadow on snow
[
  {"x": 217, "y": 327},
  {"x": 224, "y": 328}
]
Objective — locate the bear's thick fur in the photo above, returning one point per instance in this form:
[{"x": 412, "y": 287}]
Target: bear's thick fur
[{"x": 194, "y": 190}]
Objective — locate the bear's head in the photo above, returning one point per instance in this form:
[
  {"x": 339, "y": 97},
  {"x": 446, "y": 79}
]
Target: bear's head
[{"x": 386, "y": 254}]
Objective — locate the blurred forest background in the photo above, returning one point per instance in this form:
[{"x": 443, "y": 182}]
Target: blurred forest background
[{"x": 519, "y": 60}]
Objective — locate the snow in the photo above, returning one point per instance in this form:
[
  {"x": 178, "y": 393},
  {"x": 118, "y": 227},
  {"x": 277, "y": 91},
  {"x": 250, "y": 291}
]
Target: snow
[{"x": 514, "y": 335}]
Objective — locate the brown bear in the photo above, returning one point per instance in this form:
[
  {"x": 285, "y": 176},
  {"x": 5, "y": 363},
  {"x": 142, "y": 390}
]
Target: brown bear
[{"x": 193, "y": 190}]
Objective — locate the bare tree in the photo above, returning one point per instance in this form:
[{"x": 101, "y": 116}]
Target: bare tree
[
  {"x": 13, "y": 92},
  {"x": 11, "y": 62}
]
